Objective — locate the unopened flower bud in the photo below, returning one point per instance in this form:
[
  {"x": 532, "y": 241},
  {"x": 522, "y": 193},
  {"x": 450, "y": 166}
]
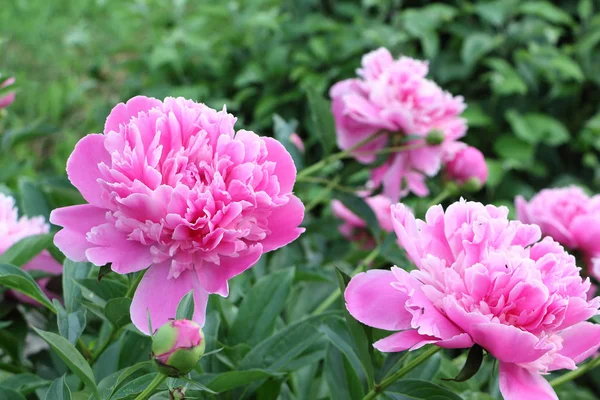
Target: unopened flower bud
[
  {"x": 177, "y": 393},
  {"x": 435, "y": 137},
  {"x": 471, "y": 185},
  {"x": 177, "y": 347},
  {"x": 467, "y": 165}
]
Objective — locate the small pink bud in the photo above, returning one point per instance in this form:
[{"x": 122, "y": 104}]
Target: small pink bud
[
  {"x": 177, "y": 347},
  {"x": 8, "y": 98},
  {"x": 468, "y": 164},
  {"x": 297, "y": 141}
]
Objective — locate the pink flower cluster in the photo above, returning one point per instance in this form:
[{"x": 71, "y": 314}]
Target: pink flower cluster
[
  {"x": 173, "y": 188},
  {"x": 482, "y": 279},
  {"x": 569, "y": 216},
  {"x": 393, "y": 96},
  {"x": 354, "y": 228},
  {"x": 12, "y": 230}
]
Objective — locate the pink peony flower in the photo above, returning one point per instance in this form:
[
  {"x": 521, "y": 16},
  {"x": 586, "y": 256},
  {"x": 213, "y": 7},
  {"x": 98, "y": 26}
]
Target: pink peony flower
[
  {"x": 8, "y": 98},
  {"x": 355, "y": 228},
  {"x": 171, "y": 186},
  {"x": 569, "y": 216},
  {"x": 12, "y": 230},
  {"x": 297, "y": 141},
  {"x": 394, "y": 96},
  {"x": 465, "y": 163},
  {"x": 482, "y": 279}
]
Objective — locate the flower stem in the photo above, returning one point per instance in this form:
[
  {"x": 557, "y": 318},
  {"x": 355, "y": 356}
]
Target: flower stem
[
  {"x": 334, "y": 296},
  {"x": 380, "y": 387},
  {"x": 440, "y": 197},
  {"x": 569, "y": 376},
  {"x": 160, "y": 378}
]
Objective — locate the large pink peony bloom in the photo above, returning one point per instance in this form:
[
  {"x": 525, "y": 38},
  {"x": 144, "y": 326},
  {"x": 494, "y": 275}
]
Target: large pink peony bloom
[
  {"x": 173, "y": 187},
  {"x": 570, "y": 216},
  {"x": 394, "y": 96},
  {"x": 482, "y": 279},
  {"x": 354, "y": 227},
  {"x": 13, "y": 229}
]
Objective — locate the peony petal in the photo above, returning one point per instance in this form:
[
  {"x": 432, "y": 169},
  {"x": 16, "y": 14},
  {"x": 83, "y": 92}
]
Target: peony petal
[
  {"x": 113, "y": 246},
  {"x": 82, "y": 167},
  {"x": 405, "y": 340},
  {"x": 76, "y": 221},
  {"x": 159, "y": 295},
  {"x": 508, "y": 343},
  {"x": 214, "y": 277},
  {"x": 580, "y": 341},
  {"x": 285, "y": 169},
  {"x": 517, "y": 383},
  {"x": 405, "y": 227},
  {"x": 283, "y": 224},
  {"x": 123, "y": 112},
  {"x": 371, "y": 299}
]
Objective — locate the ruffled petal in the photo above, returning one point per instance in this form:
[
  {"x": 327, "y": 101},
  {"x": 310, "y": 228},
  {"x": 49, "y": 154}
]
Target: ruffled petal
[{"x": 517, "y": 383}]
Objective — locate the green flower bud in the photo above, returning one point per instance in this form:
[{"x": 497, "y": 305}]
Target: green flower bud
[
  {"x": 471, "y": 185},
  {"x": 435, "y": 137},
  {"x": 177, "y": 347},
  {"x": 177, "y": 393}
]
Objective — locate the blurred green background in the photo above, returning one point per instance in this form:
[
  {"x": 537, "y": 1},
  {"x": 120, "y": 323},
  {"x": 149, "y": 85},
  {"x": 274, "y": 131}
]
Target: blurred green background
[{"x": 529, "y": 71}]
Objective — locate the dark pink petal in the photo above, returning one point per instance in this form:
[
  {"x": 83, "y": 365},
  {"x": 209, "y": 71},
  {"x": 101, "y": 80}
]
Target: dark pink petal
[
  {"x": 76, "y": 221},
  {"x": 405, "y": 227},
  {"x": 285, "y": 169},
  {"x": 371, "y": 299},
  {"x": 159, "y": 295},
  {"x": 123, "y": 112},
  {"x": 405, "y": 340},
  {"x": 82, "y": 167},
  {"x": 283, "y": 224},
  {"x": 517, "y": 383},
  {"x": 580, "y": 341},
  {"x": 507, "y": 343}
]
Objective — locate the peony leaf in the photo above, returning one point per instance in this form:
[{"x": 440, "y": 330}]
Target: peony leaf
[
  {"x": 19, "y": 280},
  {"x": 185, "y": 309}
]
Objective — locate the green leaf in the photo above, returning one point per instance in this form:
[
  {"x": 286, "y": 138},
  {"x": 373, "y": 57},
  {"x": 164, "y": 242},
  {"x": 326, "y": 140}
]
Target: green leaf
[
  {"x": 414, "y": 389},
  {"x": 19, "y": 280},
  {"x": 70, "y": 325},
  {"x": 104, "y": 270},
  {"x": 26, "y": 249},
  {"x": 58, "y": 390},
  {"x": 472, "y": 365},
  {"x": 360, "y": 207},
  {"x": 476, "y": 46},
  {"x": 111, "y": 383},
  {"x": 341, "y": 377},
  {"x": 185, "y": 308},
  {"x": 9, "y": 394},
  {"x": 514, "y": 149},
  {"x": 504, "y": 79},
  {"x": 261, "y": 307},
  {"x": 24, "y": 383},
  {"x": 322, "y": 119},
  {"x": 135, "y": 386},
  {"x": 283, "y": 130},
  {"x": 537, "y": 128},
  {"x": 233, "y": 379},
  {"x": 117, "y": 311},
  {"x": 545, "y": 10},
  {"x": 71, "y": 357},
  {"x": 73, "y": 272},
  {"x": 106, "y": 289},
  {"x": 33, "y": 200}
]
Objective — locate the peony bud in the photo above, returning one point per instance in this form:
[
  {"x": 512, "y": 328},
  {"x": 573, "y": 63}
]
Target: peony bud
[
  {"x": 467, "y": 164},
  {"x": 435, "y": 137},
  {"x": 6, "y": 99},
  {"x": 177, "y": 347},
  {"x": 297, "y": 141},
  {"x": 177, "y": 393}
]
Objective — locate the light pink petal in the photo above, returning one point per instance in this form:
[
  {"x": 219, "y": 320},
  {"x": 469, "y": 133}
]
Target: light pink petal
[
  {"x": 342, "y": 212},
  {"x": 405, "y": 340},
  {"x": 508, "y": 343},
  {"x": 586, "y": 231},
  {"x": 76, "y": 221},
  {"x": 371, "y": 299},
  {"x": 82, "y": 167},
  {"x": 381, "y": 206},
  {"x": 580, "y": 341},
  {"x": 213, "y": 277},
  {"x": 285, "y": 169},
  {"x": 123, "y": 112},
  {"x": 7, "y": 99},
  {"x": 160, "y": 296},
  {"x": 113, "y": 246},
  {"x": 522, "y": 210},
  {"x": 517, "y": 383},
  {"x": 405, "y": 227},
  {"x": 283, "y": 224},
  {"x": 460, "y": 341}
]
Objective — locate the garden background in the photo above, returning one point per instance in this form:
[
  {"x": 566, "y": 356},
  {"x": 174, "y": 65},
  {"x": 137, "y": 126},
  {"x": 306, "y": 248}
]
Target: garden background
[{"x": 528, "y": 70}]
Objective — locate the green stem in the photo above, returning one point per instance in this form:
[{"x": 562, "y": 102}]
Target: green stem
[
  {"x": 334, "y": 296},
  {"x": 160, "y": 378},
  {"x": 322, "y": 195},
  {"x": 380, "y": 387},
  {"x": 84, "y": 349},
  {"x": 98, "y": 352},
  {"x": 569, "y": 376},
  {"x": 440, "y": 197}
]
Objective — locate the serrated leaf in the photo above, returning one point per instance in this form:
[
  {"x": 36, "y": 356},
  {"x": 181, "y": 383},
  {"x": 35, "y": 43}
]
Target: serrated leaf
[
  {"x": 71, "y": 357},
  {"x": 185, "y": 308},
  {"x": 19, "y": 280}
]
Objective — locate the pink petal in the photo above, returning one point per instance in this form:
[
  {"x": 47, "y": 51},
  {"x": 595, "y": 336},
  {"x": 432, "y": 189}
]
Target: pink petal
[
  {"x": 371, "y": 299},
  {"x": 214, "y": 277},
  {"x": 517, "y": 383},
  {"x": 122, "y": 113},
  {"x": 460, "y": 341},
  {"x": 76, "y": 221},
  {"x": 283, "y": 224},
  {"x": 405, "y": 340},
  {"x": 580, "y": 341},
  {"x": 82, "y": 167},
  {"x": 160, "y": 296},
  {"x": 508, "y": 343},
  {"x": 113, "y": 246},
  {"x": 405, "y": 227},
  {"x": 285, "y": 169}
]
